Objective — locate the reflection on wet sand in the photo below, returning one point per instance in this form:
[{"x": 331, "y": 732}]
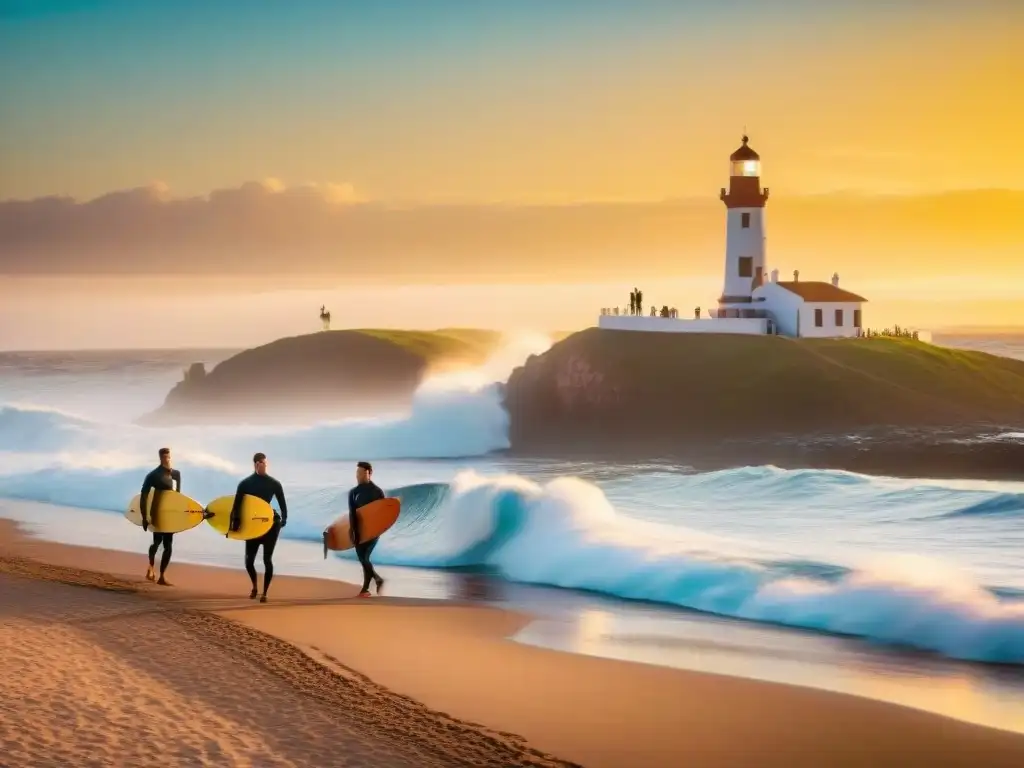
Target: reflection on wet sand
[
  {"x": 476, "y": 587},
  {"x": 976, "y": 693}
]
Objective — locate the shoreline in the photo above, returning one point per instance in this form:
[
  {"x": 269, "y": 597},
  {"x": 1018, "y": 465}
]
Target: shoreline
[
  {"x": 396, "y": 729},
  {"x": 457, "y": 658}
]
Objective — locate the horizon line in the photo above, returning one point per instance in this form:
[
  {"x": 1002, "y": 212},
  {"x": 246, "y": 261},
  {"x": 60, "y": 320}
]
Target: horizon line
[{"x": 159, "y": 196}]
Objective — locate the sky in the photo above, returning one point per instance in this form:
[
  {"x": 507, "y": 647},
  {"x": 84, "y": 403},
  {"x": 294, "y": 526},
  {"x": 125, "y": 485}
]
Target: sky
[
  {"x": 495, "y": 100},
  {"x": 564, "y": 142}
]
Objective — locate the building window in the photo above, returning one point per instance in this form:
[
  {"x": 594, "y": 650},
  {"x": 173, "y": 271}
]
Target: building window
[
  {"x": 746, "y": 266},
  {"x": 856, "y": 318},
  {"x": 839, "y": 318},
  {"x": 819, "y": 319},
  {"x": 745, "y": 220}
]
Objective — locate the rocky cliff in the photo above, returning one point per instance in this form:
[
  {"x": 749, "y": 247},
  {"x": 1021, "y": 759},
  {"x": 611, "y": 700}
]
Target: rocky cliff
[
  {"x": 719, "y": 400},
  {"x": 321, "y": 376}
]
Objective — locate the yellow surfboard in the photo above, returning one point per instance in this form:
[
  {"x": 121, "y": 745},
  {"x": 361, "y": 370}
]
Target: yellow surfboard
[
  {"x": 176, "y": 513},
  {"x": 257, "y": 517}
]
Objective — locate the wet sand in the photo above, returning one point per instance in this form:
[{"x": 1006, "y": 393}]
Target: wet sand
[{"x": 102, "y": 668}]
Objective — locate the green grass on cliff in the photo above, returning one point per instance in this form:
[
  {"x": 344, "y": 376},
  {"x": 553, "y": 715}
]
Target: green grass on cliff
[
  {"x": 325, "y": 350},
  {"x": 745, "y": 377},
  {"x": 433, "y": 348},
  {"x": 439, "y": 345}
]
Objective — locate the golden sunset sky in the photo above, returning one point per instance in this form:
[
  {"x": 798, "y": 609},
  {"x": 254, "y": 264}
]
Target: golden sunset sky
[
  {"x": 563, "y": 101},
  {"x": 565, "y": 141}
]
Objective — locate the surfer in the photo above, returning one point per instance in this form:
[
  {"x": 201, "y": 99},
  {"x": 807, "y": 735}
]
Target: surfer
[
  {"x": 365, "y": 492},
  {"x": 163, "y": 478},
  {"x": 262, "y": 486}
]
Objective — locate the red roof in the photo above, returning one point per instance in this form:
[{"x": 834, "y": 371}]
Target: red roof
[{"x": 815, "y": 291}]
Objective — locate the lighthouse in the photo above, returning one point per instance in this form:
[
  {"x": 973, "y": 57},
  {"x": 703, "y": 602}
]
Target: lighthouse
[
  {"x": 745, "y": 233},
  {"x": 751, "y": 302}
]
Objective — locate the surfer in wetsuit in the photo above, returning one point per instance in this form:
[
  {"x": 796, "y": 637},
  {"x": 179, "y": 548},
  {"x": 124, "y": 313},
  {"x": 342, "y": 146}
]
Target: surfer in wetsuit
[
  {"x": 161, "y": 479},
  {"x": 364, "y": 492},
  {"x": 262, "y": 486}
]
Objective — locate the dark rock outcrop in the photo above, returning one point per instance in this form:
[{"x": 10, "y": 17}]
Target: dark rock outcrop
[
  {"x": 324, "y": 375},
  {"x": 722, "y": 400}
]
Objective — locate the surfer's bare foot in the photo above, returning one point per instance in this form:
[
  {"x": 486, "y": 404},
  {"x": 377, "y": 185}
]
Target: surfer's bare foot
[
  {"x": 150, "y": 574},
  {"x": 380, "y": 584},
  {"x": 263, "y": 598},
  {"x": 365, "y": 593},
  {"x": 252, "y": 595},
  {"x": 164, "y": 582}
]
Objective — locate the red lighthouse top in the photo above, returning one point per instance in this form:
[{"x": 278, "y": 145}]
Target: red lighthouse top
[
  {"x": 744, "y": 153},
  {"x": 744, "y": 179}
]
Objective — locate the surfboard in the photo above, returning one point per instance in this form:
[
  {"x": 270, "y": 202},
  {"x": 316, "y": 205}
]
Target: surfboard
[
  {"x": 257, "y": 517},
  {"x": 374, "y": 519},
  {"x": 177, "y": 512}
]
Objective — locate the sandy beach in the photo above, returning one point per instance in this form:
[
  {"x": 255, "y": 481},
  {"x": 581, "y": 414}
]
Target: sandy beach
[{"x": 104, "y": 669}]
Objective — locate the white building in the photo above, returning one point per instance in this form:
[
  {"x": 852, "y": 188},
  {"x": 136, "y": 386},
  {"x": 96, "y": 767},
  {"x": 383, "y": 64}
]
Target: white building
[
  {"x": 810, "y": 308},
  {"x": 749, "y": 304}
]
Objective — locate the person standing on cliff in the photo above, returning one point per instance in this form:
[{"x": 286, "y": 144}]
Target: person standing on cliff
[
  {"x": 639, "y": 301},
  {"x": 163, "y": 478},
  {"x": 632, "y": 302},
  {"x": 365, "y": 491}
]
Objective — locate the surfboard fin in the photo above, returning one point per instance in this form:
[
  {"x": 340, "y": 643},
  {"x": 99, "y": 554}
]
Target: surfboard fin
[{"x": 325, "y": 544}]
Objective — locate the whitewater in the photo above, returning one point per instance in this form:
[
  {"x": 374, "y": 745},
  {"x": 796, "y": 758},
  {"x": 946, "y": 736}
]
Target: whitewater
[{"x": 930, "y": 565}]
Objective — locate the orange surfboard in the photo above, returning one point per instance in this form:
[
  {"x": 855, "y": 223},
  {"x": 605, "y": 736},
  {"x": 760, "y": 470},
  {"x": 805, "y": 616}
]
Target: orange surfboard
[{"x": 374, "y": 518}]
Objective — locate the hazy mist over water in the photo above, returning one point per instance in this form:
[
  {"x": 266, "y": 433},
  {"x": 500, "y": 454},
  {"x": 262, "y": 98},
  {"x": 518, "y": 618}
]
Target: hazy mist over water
[{"x": 236, "y": 312}]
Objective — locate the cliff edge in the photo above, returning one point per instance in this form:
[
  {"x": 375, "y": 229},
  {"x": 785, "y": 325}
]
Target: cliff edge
[
  {"x": 331, "y": 374},
  {"x": 722, "y": 399}
]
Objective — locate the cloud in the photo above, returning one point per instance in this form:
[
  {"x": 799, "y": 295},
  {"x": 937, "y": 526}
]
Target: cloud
[
  {"x": 320, "y": 228},
  {"x": 328, "y": 192}
]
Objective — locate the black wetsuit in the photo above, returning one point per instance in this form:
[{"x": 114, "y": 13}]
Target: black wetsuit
[
  {"x": 158, "y": 480},
  {"x": 360, "y": 496},
  {"x": 262, "y": 487}
]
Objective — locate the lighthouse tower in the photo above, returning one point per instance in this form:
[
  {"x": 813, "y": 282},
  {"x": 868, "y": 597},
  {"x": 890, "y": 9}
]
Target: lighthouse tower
[{"x": 744, "y": 234}]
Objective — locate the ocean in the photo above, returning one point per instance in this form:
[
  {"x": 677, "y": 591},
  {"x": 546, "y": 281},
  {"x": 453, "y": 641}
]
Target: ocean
[{"x": 864, "y": 584}]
